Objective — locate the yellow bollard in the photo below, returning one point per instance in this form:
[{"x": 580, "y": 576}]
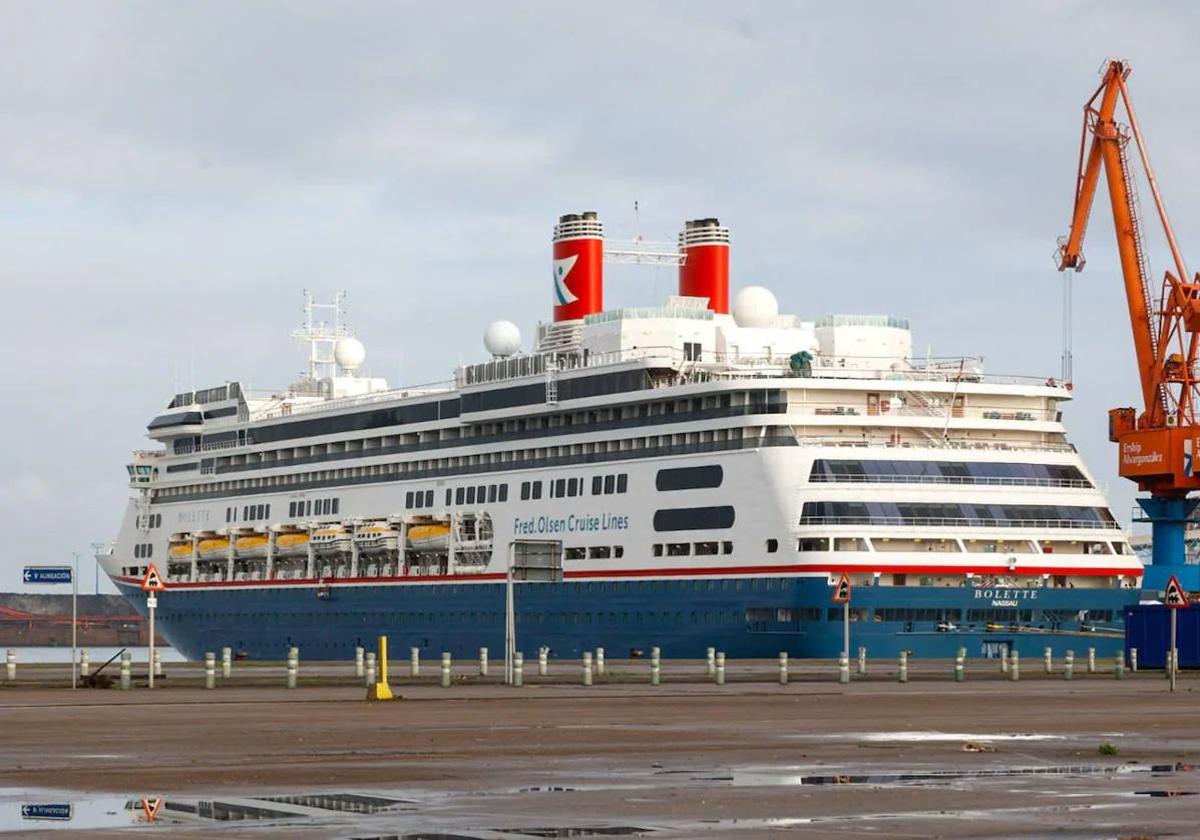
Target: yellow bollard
[{"x": 381, "y": 690}]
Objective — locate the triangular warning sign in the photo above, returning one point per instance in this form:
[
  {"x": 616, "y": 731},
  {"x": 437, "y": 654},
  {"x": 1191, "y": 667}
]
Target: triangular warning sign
[
  {"x": 841, "y": 592},
  {"x": 1174, "y": 596},
  {"x": 152, "y": 582},
  {"x": 150, "y": 807}
]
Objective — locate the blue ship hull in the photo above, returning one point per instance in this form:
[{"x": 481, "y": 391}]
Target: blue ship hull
[{"x": 744, "y": 617}]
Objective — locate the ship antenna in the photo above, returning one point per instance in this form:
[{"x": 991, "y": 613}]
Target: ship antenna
[{"x": 322, "y": 329}]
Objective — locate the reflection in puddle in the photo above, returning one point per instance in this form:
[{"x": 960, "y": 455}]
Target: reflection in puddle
[{"x": 759, "y": 779}]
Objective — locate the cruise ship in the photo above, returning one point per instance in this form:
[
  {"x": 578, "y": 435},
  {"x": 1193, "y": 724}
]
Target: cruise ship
[{"x": 700, "y": 473}]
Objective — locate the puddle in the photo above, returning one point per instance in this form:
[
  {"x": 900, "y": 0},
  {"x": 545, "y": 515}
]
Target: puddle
[
  {"x": 754, "y": 778},
  {"x": 65, "y": 810},
  {"x": 931, "y": 735}
]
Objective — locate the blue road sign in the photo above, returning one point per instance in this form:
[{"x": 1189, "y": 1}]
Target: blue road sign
[
  {"x": 47, "y": 574},
  {"x": 46, "y": 811}
]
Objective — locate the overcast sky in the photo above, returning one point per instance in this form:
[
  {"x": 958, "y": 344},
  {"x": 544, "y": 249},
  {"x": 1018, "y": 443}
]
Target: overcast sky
[{"x": 172, "y": 175}]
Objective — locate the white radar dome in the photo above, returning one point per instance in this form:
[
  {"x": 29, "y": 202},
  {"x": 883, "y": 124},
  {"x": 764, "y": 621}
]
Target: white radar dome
[
  {"x": 502, "y": 338},
  {"x": 349, "y": 353},
  {"x": 755, "y": 306}
]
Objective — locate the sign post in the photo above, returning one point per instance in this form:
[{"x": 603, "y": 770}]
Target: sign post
[
  {"x": 75, "y": 624},
  {"x": 841, "y": 595},
  {"x": 1174, "y": 599},
  {"x": 152, "y": 584},
  {"x": 59, "y": 574}
]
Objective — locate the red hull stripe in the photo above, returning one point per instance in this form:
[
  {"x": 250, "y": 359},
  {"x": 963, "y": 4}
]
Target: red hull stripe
[{"x": 706, "y": 571}]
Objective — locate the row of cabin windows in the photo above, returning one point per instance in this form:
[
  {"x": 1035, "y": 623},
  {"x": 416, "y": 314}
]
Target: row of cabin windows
[
  {"x": 313, "y": 507},
  {"x": 420, "y": 499},
  {"x": 715, "y": 405},
  {"x": 249, "y": 513},
  {"x": 609, "y": 484},
  {"x": 955, "y": 472},
  {"x": 905, "y": 513},
  {"x": 477, "y": 494},
  {"x": 714, "y": 440},
  {"x": 143, "y": 551},
  {"x": 700, "y": 549},
  {"x": 593, "y": 552},
  {"x": 561, "y": 488},
  {"x": 148, "y": 520}
]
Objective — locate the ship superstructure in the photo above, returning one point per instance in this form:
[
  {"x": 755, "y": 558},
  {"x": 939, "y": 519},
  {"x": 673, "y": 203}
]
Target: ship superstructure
[{"x": 698, "y": 473}]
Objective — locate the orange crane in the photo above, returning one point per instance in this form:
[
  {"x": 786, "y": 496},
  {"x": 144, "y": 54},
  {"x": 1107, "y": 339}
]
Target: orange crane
[{"x": 1157, "y": 445}]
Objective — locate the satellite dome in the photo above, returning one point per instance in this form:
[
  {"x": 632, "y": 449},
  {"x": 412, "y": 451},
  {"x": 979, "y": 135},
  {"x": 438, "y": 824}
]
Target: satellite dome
[
  {"x": 755, "y": 306},
  {"x": 502, "y": 338},
  {"x": 349, "y": 353}
]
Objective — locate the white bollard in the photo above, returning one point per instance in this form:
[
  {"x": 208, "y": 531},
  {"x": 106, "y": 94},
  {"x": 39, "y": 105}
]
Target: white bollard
[
  {"x": 85, "y": 663},
  {"x": 157, "y": 663},
  {"x": 210, "y": 670},
  {"x": 1003, "y": 662},
  {"x": 903, "y": 666},
  {"x": 1119, "y": 666},
  {"x": 414, "y": 662},
  {"x": 783, "y": 668},
  {"x": 719, "y": 667},
  {"x": 587, "y": 667},
  {"x": 843, "y": 668},
  {"x": 543, "y": 661},
  {"x": 711, "y": 655},
  {"x": 293, "y": 666},
  {"x": 446, "y": 665},
  {"x": 959, "y": 666},
  {"x": 1091, "y": 660},
  {"x": 10, "y": 663},
  {"x": 599, "y": 662},
  {"x": 126, "y": 670},
  {"x": 1014, "y": 667},
  {"x": 862, "y": 661},
  {"x": 518, "y": 669},
  {"x": 655, "y": 666},
  {"x": 483, "y": 661},
  {"x": 1069, "y": 666},
  {"x": 358, "y": 660},
  {"x": 226, "y": 663},
  {"x": 369, "y": 669},
  {"x": 1133, "y": 659},
  {"x": 1048, "y": 660}
]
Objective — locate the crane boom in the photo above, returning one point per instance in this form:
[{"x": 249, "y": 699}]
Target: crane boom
[{"x": 1156, "y": 445}]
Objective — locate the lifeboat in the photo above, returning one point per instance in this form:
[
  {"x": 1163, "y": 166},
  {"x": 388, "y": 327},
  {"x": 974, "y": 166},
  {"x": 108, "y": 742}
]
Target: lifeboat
[
  {"x": 254, "y": 545},
  {"x": 372, "y": 539},
  {"x": 331, "y": 541},
  {"x": 180, "y": 551},
  {"x": 216, "y": 548},
  {"x": 290, "y": 545},
  {"x": 429, "y": 537}
]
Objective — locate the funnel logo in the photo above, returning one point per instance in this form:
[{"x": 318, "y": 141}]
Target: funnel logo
[{"x": 562, "y": 294}]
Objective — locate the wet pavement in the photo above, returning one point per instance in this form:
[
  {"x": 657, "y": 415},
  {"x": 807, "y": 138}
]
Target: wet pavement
[{"x": 1089, "y": 758}]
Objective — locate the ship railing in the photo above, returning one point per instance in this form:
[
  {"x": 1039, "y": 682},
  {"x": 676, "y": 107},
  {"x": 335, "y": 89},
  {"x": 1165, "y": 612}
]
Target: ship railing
[
  {"x": 883, "y": 442},
  {"x": 961, "y": 522},
  {"x": 282, "y": 408},
  {"x": 891, "y": 408},
  {"x": 208, "y": 446},
  {"x": 739, "y": 365},
  {"x": 995, "y": 481}
]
